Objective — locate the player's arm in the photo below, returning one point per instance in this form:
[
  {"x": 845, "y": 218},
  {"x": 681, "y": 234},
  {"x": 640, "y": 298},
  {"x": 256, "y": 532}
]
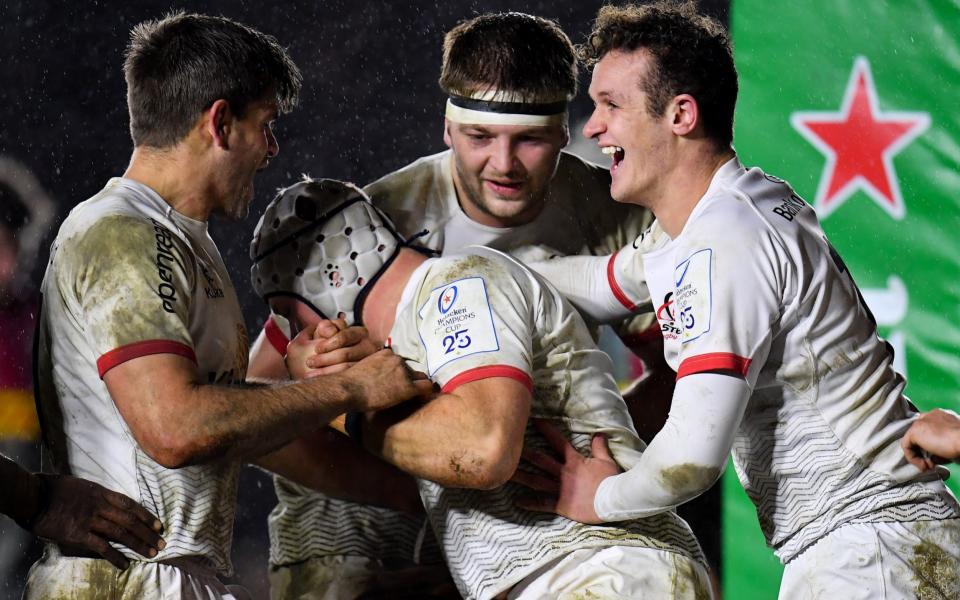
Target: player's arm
[
  {"x": 932, "y": 439},
  {"x": 684, "y": 460},
  {"x": 468, "y": 437},
  {"x": 329, "y": 462},
  {"x": 179, "y": 421},
  {"x": 589, "y": 284},
  {"x": 323, "y": 459},
  {"x": 267, "y": 353},
  {"x": 77, "y": 513}
]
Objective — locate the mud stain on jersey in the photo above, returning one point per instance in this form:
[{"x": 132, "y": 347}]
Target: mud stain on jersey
[
  {"x": 934, "y": 572},
  {"x": 686, "y": 581},
  {"x": 471, "y": 265},
  {"x": 688, "y": 477}
]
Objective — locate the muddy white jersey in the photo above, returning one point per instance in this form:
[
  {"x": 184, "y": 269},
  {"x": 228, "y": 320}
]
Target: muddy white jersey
[
  {"x": 751, "y": 286},
  {"x": 129, "y": 277},
  {"x": 467, "y": 317}
]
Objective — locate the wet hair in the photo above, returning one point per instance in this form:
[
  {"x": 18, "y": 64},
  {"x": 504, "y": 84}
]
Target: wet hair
[
  {"x": 178, "y": 66},
  {"x": 527, "y": 55},
  {"x": 692, "y": 55},
  {"x": 14, "y": 214}
]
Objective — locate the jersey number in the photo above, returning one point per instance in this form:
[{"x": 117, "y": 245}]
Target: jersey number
[{"x": 459, "y": 339}]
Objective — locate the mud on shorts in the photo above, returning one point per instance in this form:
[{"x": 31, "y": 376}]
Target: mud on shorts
[
  {"x": 878, "y": 561},
  {"x": 343, "y": 577},
  {"x": 617, "y": 572},
  {"x": 58, "y": 576}
]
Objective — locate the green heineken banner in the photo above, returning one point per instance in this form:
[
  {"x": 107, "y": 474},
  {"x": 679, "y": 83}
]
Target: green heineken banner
[{"x": 854, "y": 103}]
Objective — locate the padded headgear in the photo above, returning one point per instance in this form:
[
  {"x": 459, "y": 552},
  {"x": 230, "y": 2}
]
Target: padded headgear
[{"x": 322, "y": 242}]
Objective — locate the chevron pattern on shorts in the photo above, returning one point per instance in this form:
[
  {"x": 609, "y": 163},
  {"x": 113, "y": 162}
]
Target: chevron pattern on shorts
[
  {"x": 196, "y": 506},
  {"x": 805, "y": 482},
  {"x": 306, "y": 524}
]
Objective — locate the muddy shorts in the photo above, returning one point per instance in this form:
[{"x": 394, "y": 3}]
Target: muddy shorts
[
  {"x": 617, "y": 572},
  {"x": 879, "y": 561},
  {"x": 70, "y": 578},
  {"x": 352, "y": 577}
]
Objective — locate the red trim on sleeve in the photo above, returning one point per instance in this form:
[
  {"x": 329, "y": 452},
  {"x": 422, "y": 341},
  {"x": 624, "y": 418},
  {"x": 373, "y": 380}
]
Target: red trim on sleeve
[
  {"x": 615, "y": 287},
  {"x": 487, "y": 372},
  {"x": 120, "y": 355},
  {"x": 276, "y": 336},
  {"x": 714, "y": 361}
]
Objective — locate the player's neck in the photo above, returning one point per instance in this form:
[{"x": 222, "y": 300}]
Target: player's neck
[
  {"x": 176, "y": 176},
  {"x": 686, "y": 186},
  {"x": 380, "y": 306}
]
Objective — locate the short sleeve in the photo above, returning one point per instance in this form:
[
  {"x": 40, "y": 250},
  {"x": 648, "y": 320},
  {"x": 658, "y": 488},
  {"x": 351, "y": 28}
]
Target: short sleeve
[
  {"x": 129, "y": 280},
  {"x": 727, "y": 299},
  {"x": 475, "y": 324}
]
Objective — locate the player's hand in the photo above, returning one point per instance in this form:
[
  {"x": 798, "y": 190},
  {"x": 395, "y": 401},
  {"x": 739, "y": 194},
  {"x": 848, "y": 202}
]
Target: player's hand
[
  {"x": 934, "y": 438},
  {"x": 83, "y": 515},
  {"x": 338, "y": 347},
  {"x": 383, "y": 379},
  {"x": 330, "y": 347},
  {"x": 569, "y": 487}
]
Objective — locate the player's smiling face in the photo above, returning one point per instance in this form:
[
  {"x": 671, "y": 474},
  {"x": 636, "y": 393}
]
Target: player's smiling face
[
  {"x": 502, "y": 172},
  {"x": 638, "y": 143}
]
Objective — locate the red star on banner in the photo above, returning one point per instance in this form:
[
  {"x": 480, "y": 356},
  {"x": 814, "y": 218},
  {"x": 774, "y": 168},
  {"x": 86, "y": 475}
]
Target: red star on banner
[{"x": 860, "y": 142}]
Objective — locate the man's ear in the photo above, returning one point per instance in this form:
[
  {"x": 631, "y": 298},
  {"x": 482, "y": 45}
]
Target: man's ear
[
  {"x": 686, "y": 114},
  {"x": 446, "y": 133},
  {"x": 218, "y": 121}
]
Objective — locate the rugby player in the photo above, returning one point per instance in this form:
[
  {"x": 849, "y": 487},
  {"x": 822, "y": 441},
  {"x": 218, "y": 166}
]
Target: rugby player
[
  {"x": 777, "y": 356},
  {"x": 141, "y": 341}
]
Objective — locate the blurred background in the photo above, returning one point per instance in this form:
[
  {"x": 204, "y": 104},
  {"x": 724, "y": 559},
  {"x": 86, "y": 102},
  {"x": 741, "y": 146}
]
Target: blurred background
[{"x": 851, "y": 102}]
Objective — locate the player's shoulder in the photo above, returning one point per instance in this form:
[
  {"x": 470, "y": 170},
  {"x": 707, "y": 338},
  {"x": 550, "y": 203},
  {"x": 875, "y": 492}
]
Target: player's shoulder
[
  {"x": 407, "y": 184},
  {"x": 118, "y": 208},
  {"x": 122, "y": 222}
]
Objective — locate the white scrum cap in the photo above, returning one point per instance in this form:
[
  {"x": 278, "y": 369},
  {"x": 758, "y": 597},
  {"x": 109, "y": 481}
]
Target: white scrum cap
[{"x": 322, "y": 242}]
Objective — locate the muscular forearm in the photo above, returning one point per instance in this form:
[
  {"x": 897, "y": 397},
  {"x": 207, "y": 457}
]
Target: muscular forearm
[
  {"x": 688, "y": 454},
  {"x": 249, "y": 421},
  {"x": 332, "y": 464},
  {"x": 20, "y": 492},
  {"x": 449, "y": 440}
]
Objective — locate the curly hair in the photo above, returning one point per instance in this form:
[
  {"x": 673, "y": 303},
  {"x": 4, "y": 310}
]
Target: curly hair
[
  {"x": 176, "y": 67},
  {"x": 527, "y": 55},
  {"x": 692, "y": 55}
]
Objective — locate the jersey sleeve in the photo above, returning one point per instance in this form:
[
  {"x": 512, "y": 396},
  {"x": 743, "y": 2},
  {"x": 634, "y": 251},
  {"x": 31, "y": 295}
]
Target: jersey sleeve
[
  {"x": 130, "y": 281},
  {"x": 626, "y": 279},
  {"x": 475, "y": 326},
  {"x": 728, "y": 297}
]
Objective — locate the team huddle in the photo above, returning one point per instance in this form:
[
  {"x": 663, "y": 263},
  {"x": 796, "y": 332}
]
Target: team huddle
[{"x": 427, "y": 390}]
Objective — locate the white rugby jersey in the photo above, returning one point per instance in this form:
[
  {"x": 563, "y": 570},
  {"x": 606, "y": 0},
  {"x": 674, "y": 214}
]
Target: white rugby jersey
[
  {"x": 579, "y": 218},
  {"x": 752, "y": 286},
  {"x": 128, "y": 277},
  {"x": 468, "y": 317}
]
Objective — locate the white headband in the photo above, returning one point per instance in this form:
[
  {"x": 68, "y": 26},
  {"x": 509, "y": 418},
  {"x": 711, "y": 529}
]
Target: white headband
[{"x": 492, "y": 107}]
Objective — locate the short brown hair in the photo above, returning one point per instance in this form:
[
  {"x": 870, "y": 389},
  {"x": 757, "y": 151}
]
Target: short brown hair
[
  {"x": 176, "y": 67},
  {"x": 692, "y": 55},
  {"x": 515, "y": 52}
]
